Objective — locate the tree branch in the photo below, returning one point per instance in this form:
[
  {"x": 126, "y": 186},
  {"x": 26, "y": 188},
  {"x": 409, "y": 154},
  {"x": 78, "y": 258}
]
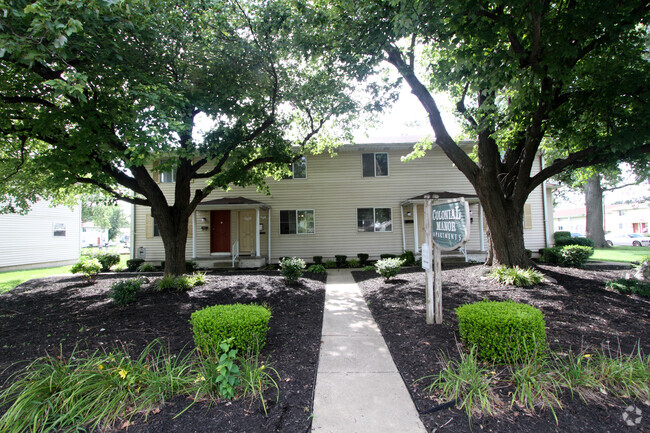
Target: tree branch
[
  {"x": 27, "y": 100},
  {"x": 113, "y": 192}
]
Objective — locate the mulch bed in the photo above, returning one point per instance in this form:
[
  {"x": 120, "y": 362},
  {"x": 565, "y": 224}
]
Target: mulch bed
[
  {"x": 41, "y": 316},
  {"x": 579, "y": 312}
]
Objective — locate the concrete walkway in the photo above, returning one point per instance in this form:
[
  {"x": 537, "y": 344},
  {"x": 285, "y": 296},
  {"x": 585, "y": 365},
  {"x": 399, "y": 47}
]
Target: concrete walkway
[{"x": 358, "y": 388}]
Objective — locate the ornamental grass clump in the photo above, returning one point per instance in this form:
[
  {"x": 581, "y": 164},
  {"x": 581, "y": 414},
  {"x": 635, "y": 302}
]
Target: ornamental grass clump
[
  {"x": 516, "y": 276},
  {"x": 291, "y": 268},
  {"x": 503, "y": 332},
  {"x": 388, "y": 268},
  {"x": 247, "y": 325}
]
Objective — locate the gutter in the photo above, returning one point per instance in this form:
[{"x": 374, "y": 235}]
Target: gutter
[{"x": 544, "y": 202}]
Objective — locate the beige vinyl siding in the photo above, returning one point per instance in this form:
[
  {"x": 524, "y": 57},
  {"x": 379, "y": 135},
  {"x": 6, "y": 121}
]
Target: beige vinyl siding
[
  {"x": 334, "y": 189},
  {"x": 27, "y": 241},
  {"x": 534, "y": 232}
]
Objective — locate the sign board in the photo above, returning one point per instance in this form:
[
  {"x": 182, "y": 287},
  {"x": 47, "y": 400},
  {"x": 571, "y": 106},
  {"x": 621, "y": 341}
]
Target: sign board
[
  {"x": 426, "y": 257},
  {"x": 451, "y": 223}
]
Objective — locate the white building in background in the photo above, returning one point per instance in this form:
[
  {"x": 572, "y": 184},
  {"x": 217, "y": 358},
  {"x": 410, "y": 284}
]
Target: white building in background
[
  {"x": 619, "y": 218},
  {"x": 93, "y": 236},
  {"x": 46, "y": 236}
]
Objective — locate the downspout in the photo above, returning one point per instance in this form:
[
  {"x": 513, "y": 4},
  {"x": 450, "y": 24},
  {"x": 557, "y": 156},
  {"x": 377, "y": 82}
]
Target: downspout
[
  {"x": 268, "y": 230},
  {"x": 401, "y": 208},
  {"x": 548, "y": 242},
  {"x": 257, "y": 231},
  {"x": 194, "y": 235},
  {"x": 480, "y": 226},
  {"x": 415, "y": 228},
  {"x": 132, "y": 241}
]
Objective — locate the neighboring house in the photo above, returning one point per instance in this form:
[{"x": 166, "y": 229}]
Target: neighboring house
[
  {"x": 618, "y": 218},
  {"x": 93, "y": 236},
  {"x": 363, "y": 200},
  {"x": 46, "y": 236}
]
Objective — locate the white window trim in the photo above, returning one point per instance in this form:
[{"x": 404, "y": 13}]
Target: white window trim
[
  {"x": 293, "y": 176},
  {"x": 392, "y": 222},
  {"x": 64, "y": 230},
  {"x": 313, "y": 211},
  {"x": 374, "y": 166},
  {"x": 173, "y": 171}
]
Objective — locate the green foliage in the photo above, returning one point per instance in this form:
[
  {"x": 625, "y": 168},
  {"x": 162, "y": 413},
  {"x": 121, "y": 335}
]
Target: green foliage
[
  {"x": 88, "y": 266},
  {"x": 246, "y": 324},
  {"x": 467, "y": 381},
  {"x": 408, "y": 258},
  {"x": 552, "y": 256},
  {"x": 124, "y": 292},
  {"x": 630, "y": 287},
  {"x": 353, "y": 263},
  {"x": 363, "y": 258},
  {"x": 133, "y": 264},
  {"x": 318, "y": 260},
  {"x": 317, "y": 269},
  {"x": 59, "y": 393},
  {"x": 107, "y": 260},
  {"x": 147, "y": 267},
  {"x": 502, "y": 331},
  {"x": 368, "y": 268},
  {"x": 341, "y": 260},
  {"x": 178, "y": 283},
  {"x": 219, "y": 372},
  {"x": 561, "y": 235},
  {"x": 329, "y": 264},
  {"x": 291, "y": 268},
  {"x": 388, "y": 268},
  {"x": 535, "y": 384},
  {"x": 585, "y": 242},
  {"x": 387, "y": 256},
  {"x": 644, "y": 259},
  {"x": 197, "y": 279},
  {"x": 191, "y": 266},
  {"x": 256, "y": 377},
  {"x": 516, "y": 276},
  {"x": 575, "y": 255}
]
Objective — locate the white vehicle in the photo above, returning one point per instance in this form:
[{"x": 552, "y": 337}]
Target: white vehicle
[{"x": 628, "y": 240}]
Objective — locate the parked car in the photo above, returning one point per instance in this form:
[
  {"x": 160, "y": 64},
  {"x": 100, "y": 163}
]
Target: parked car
[
  {"x": 577, "y": 235},
  {"x": 627, "y": 240}
]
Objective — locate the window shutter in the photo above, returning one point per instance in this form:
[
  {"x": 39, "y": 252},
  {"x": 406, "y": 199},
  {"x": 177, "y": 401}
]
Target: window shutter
[
  {"x": 189, "y": 227},
  {"x": 528, "y": 216},
  {"x": 156, "y": 177},
  {"x": 149, "y": 226}
]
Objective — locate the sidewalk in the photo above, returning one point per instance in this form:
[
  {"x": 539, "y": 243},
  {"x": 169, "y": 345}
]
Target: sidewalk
[{"x": 358, "y": 388}]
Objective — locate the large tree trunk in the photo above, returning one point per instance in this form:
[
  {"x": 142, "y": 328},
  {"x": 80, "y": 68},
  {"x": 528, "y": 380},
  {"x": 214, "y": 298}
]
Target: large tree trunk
[
  {"x": 594, "y": 203},
  {"x": 173, "y": 226}
]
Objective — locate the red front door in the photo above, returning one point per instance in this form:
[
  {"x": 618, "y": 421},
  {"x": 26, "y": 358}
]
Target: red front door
[{"x": 220, "y": 231}]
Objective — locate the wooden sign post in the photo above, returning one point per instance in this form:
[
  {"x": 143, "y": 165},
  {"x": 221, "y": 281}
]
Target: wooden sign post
[{"x": 426, "y": 262}]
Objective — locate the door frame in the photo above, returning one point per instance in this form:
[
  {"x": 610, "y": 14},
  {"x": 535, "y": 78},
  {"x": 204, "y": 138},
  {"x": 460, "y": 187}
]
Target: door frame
[{"x": 212, "y": 224}]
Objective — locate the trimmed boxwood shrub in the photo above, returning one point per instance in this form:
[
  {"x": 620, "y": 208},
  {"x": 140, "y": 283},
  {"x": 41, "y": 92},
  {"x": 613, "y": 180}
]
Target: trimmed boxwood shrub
[
  {"x": 584, "y": 242},
  {"x": 341, "y": 260},
  {"x": 561, "y": 235},
  {"x": 552, "y": 256},
  {"x": 576, "y": 255},
  {"x": 502, "y": 332},
  {"x": 408, "y": 258},
  {"x": 318, "y": 260},
  {"x": 246, "y": 324},
  {"x": 363, "y": 259},
  {"x": 387, "y": 256},
  {"x": 108, "y": 260},
  {"x": 133, "y": 264}
]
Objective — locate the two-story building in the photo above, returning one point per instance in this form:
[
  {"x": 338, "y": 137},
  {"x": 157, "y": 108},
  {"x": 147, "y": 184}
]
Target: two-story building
[{"x": 362, "y": 200}]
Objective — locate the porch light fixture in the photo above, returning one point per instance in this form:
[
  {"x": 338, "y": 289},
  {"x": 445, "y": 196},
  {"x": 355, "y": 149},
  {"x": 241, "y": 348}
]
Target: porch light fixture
[
  {"x": 408, "y": 213},
  {"x": 203, "y": 220}
]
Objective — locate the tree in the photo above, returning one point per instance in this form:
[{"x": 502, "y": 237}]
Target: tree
[
  {"x": 520, "y": 71},
  {"x": 105, "y": 216},
  {"x": 94, "y": 94}
]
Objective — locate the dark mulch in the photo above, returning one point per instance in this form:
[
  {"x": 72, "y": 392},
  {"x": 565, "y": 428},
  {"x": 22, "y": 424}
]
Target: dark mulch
[
  {"x": 579, "y": 312},
  {"x": 41, "y": 315}
]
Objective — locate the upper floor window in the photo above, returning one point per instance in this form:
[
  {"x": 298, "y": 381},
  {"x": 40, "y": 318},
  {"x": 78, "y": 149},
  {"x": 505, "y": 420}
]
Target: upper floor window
[
  {"x": 621, "y": 212},
  {"x": 168, "y": 176},
  {"x": 298, "y": 169},
  {"x": 156, "y": 230},
  {"x": 379, "y": 219},
  {"x": 58, "y": 229},
  {"x": 297, "y": 222},
  {"x": 375, "y": 164}
]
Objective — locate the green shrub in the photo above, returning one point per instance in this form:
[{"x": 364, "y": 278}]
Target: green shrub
[
  {"x": 529, "y": 253},
  {"x": 516, "y": 276},
  {"x": 368, "y": 268},
  {"x": 191, "y": 266},
  {"x": 246, "y": 324},
  {"x": 552, "y": 256},
  {"x": 329, "y": 264},
  {"x": 502, "y": 331},
  {"x": 575, "y": 255},
  {"x": 108, "y": 260},
  {"x": 644, "y": 259},
  {"x": 197, "y": 279},
  {"x": 408, "y": 258},
  {"x": 387, "y": 256},
  {"x": 353, "y": 263},
  {"x": 317, "y": 269},
  {"x": 630, "y": 287},
  {"x": 123, "y": 292},
  {"x": 219, "y": 374},
  {"x": 363, "y": 259},
  {"x": 88, "y": 266},
  {"x": 147, "y": 267},
  {"x": 585, "y": 242},
  {"x": 341, "y": 260},
  {"x": 388, "y": 268},
  {"x": 561, "y": 235},
  {"x": 178, "y": 283},
  {"x": 318, "y": 260},
  {"x": 133, "y": 264},
  {"x": 291, "y": 268}
]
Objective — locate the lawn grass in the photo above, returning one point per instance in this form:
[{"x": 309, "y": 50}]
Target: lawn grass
[
  {"x": 10, "y": 279},
  {"x": 620, "y": 254}
]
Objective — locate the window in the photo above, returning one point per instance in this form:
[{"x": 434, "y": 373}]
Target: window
[
  {"x": 168, "y": 176},
  {"x": 58, "y": 229},
  {"x": 156, "y": 230},
  {"x": 621, "y": 212},
  {"x": 375, "y": 164},
  {"x": 298, "y": 169},
  {"x": 374, "y": 219},
  {"x": 300, "y": 222}
]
